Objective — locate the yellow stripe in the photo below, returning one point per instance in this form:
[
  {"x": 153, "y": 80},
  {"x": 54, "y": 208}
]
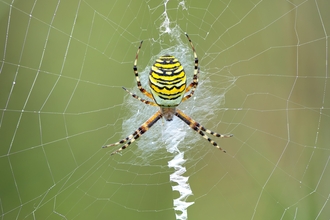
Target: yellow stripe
[
  {"x": 168, "y": 77},
  {"x": 168, "y": 90},
  {"x": 163, "y": 82},
  {"x": 167, "y": 65}
]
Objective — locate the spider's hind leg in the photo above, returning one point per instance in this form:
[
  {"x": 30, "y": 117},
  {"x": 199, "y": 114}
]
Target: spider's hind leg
[
  {"x": 193, "y": 85},
  {"x": 136, "y": 73},
  {"x": 139, "y": 98}
]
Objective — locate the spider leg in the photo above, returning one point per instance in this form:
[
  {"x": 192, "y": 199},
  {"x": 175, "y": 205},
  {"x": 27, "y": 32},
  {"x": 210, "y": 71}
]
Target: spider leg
[
  {"x": 137, "y": 133},
  {"x": 140, "y": 99},
  {"x": 192, "y": 86},
  {"x": 138, "y": 82},
  {"x": 200, "y": 129}
]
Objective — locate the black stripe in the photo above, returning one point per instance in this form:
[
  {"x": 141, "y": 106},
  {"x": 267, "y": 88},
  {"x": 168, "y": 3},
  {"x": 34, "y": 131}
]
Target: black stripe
[
  {"x": 168, "y": 69},
  {"x": 167, "y": 72},
  {"x": 173, "y": 98},
  {"x": 167, "y": 88},
  {"x": 162, "y": 82},
  {"x": 170, "y": 82}
]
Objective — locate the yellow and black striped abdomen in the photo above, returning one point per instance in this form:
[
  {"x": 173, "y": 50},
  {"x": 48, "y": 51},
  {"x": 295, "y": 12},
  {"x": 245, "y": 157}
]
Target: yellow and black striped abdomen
[{"x": 167, "y": 81}]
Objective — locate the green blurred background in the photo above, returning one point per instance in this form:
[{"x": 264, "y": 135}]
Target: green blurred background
[{"x": 62, "y": 65}]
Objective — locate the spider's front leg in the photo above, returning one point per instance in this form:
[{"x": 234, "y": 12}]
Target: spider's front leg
[
  {"x": 200, "y": 129},
  {"x": 136, "y": 134}
]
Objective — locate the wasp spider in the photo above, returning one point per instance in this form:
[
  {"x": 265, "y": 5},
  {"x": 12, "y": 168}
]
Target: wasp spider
[{"x": 167, "y": 81}]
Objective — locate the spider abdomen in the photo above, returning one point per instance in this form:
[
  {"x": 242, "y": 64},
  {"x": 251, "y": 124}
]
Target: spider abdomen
[{"x": 167, "y": 81}]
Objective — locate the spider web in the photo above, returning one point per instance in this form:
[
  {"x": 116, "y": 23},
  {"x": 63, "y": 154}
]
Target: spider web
[{"x": 264, "y": 78}]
